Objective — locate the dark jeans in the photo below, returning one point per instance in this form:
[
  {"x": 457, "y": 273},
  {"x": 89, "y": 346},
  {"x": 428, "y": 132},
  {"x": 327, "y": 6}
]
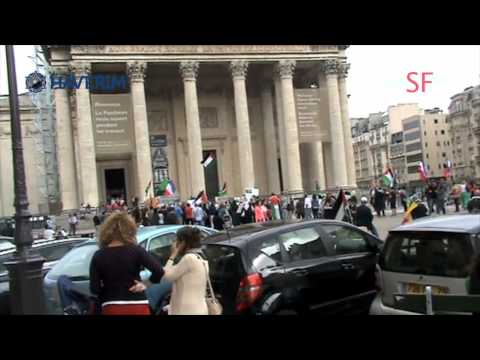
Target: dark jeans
[
  {"x": 441, "y": 206},
  {"x": 404, "y": 204},
  {"x": 457, "y": 204},
  {"x": 431, "y": 207},
  {"x": 315, "y": 213},
  {"x": 370, "y": 227}
]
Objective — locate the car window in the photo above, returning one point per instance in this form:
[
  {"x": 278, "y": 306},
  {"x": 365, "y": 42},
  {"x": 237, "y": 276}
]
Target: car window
[
  {"x": 438, "y": 254},
  {"x": 160, "y": 246},
  {"x": 54, "y": 252},
  {"x": 345, "y": 240},
  {"x": 302, "y": 244},
  {"x": 76, "y": 263},
  {"x": 266, "y": 253}
]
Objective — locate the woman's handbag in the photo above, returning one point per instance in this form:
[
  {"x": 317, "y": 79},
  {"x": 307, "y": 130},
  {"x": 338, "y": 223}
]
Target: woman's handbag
[{"x": 213, "y": 305}]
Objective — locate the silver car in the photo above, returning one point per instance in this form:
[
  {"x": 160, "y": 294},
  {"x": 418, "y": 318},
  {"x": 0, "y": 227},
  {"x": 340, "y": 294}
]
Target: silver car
[{"x": 432, "y": 252}]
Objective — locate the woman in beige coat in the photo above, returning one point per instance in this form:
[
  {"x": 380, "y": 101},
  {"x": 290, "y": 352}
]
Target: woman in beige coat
[{"x": 189, "y": 275}]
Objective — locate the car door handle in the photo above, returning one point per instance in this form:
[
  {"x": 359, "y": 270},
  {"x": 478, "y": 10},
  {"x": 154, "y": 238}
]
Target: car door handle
[
  {"x": 300, "y": 272},
  {"x": 348, "y": 266}
]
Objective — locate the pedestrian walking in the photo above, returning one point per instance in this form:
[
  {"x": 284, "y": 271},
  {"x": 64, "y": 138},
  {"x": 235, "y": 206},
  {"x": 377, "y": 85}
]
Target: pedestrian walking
[
  {"x": 189, "y": 214},
  {"x": 393, "y": 202},
  {"x": 259, "y": 214},
  {"x": 403, "y": 198},
  {"x": 456, "y": 192},
  {"x": 441, "y": 196},
  {"x": 275, "y": 201},
  {"x": 379, "y": 201},
  {"x": 189, "y": 276},
  {"x": 307, "y": 203},
  {"x": 115, "y": 268},
  {"x": 198, "y": 215},
  {"x": 364, "y": 216},
  {"x": 73, "y": 222},
  {"x": 431, "y": 195},
  {"x": 315, "y": 206},
  {"x": 300, "y": 209}
]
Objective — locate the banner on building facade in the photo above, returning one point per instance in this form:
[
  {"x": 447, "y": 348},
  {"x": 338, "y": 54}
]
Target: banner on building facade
[
  {"x": 312, "y": 115},
  {"x": 112, "y": 119},
  {"x": 159, "y": 152}
]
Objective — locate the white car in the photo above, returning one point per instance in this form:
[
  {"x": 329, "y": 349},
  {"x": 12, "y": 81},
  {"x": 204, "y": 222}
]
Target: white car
[{"x": 434, "y": 252}]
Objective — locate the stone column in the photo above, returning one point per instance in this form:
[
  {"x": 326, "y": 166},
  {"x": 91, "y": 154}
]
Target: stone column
[
  {"x": 189, "y": 71},
  {"x": 330, "y": 67},
  {"x": 65, "y": 147},
  {"x": 285, "y": 69},
  {"x": 86, "y": 139},
  {"x": 144, "y": 173},
  {"x": 347, "y": 128},
  {"x": 317, "y": 165},
  {"x": 246, "y": 169},
  {"x": 281, "y": 131},
  {"x": 270, "y": 139}
]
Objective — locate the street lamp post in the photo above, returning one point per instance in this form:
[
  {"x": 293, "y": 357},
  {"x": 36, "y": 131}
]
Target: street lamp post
[{"x": 25, "y": 267}]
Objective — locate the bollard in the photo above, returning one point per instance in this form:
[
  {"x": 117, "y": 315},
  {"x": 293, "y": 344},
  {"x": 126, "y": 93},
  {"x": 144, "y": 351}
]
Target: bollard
[{"x": 428, "y": 295}]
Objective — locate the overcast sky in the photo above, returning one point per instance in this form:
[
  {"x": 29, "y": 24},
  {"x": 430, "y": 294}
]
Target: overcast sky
[{"x": 377, "y": 78}]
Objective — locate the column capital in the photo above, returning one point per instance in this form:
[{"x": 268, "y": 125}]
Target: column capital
[
  {"x": 343, "y": 69},
  {"x": 137, "y": 70},
  {"x": 189, "y": 70},
  {"x": 239, "y": 68},
  {"x": 80, "y": 68},
  {"x": 330, "y": 66},
  {"x": 285, "y": 68}
]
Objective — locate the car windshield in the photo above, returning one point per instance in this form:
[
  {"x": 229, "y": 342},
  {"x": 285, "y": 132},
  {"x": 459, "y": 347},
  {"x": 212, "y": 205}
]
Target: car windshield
[
  {"x": 76, "y": 263},
  {"x": 428, "y": 253}
]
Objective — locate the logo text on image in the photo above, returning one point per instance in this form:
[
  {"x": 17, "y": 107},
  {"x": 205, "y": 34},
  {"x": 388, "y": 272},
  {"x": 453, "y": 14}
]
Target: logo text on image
[
  {"x": 423, "y": 80},
  {"x": 35, "y": 82}
]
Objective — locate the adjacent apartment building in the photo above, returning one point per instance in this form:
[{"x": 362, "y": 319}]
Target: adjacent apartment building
[
  {"x": 425, "y": 138},
  {"x": 464, "y": 119},
  {"x": 373, "y": 138}
]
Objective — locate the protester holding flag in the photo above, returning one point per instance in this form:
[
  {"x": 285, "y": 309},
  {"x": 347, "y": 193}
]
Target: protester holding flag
[{"x": 364, "y": 216}]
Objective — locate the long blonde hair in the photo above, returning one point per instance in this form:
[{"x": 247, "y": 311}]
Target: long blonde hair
[{"x": 119, "y": 226}]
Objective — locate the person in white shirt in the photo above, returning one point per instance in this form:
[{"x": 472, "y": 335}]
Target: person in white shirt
[
  {"x": 198, "y": 214},
  {"x": 308, "y": 207},
  {"x": 48, "y": 234}
]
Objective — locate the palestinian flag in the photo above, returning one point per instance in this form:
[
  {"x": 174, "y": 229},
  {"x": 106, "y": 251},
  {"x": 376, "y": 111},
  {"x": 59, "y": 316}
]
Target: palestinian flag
[
  {"x": 388, "y": 178},
  {"x": 166, "y": 188},
  {"x": 147, "y": 189},
  {"x": 422, "y": 171},
  {"x": 223, "y": 192},
  {"x": 208, "y": 160},
  {"x": 201, "y": 198}
]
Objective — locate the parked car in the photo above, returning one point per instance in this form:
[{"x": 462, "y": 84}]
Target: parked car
[
  {"x": 76, "y": 264},
  {"x": 52, "y": 251},
  {"x": 433, "y": 251},
  {"x": 318, "y": 266},
  {"x": 6, "y": 243}
]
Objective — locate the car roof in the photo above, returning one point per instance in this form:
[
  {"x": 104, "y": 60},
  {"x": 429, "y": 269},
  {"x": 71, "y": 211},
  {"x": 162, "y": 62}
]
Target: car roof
[
  {"x": 469, "y": 224},
  {"x": 239, "y": 236},
  {"x": 42, "y": 242},
  {"x": 146, "y": 232}
]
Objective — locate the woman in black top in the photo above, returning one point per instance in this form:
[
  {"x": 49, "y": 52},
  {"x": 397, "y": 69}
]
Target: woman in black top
[{"x": 115, "y": 268}]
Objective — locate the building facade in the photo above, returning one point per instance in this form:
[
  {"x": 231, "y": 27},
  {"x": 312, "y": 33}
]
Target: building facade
[
  {"x": 464, "y": 120},
  {"x": 239, "y": 104}
]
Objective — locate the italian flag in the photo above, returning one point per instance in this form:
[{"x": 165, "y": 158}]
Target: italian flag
[
  {"x": 208, "y": 160},
  {"x": 388, "y": 178},
  {"x": 422, "y": 171}
]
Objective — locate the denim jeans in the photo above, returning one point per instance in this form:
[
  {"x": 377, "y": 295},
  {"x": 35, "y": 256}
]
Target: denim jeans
[{"x": 156, "y": 292}]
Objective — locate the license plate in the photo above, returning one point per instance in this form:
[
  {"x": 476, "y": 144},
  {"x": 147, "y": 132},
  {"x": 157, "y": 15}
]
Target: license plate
[{"x": 420, "y": 289}]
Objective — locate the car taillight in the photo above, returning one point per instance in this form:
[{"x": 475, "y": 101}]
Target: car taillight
[{"x": 249, "y": 292}]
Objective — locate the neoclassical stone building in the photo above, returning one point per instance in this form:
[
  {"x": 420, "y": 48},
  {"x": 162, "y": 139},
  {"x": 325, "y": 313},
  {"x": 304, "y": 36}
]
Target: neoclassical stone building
[{"x": 238, "y": 103}]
